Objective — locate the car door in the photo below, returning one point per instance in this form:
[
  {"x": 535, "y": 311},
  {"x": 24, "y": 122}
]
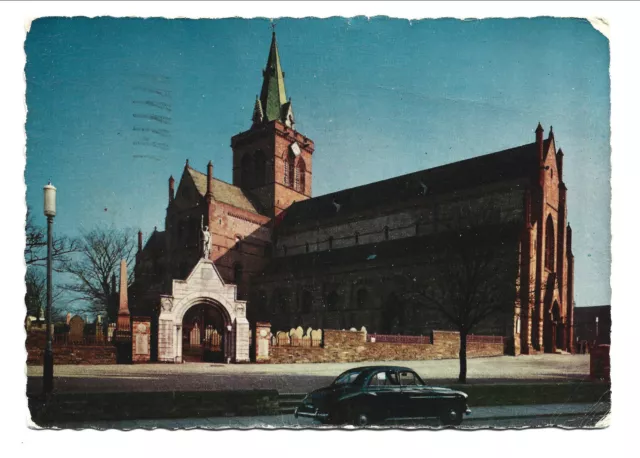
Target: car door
[
  {"x": 418, "y": 401},
  {"x": 385, "y": 394}
]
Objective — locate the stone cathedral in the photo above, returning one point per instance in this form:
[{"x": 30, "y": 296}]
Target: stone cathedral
[{"x": 263, "y": 249}]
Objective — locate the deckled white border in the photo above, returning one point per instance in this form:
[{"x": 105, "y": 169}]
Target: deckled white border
[{"x": 623, "y": 32}]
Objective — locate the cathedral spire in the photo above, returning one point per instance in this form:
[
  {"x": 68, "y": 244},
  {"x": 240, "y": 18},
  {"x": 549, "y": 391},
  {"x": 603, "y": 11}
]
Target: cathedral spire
[{"x": 273, "y": 97}]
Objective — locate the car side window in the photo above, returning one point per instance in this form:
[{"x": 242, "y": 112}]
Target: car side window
[
  {"x": 408, "y": 378},
  {"x": 384, "y": 378}
]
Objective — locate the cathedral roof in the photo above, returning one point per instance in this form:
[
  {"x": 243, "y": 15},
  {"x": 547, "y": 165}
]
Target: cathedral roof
[
  {"x": 504, "y": 166},
  {"x": 156, "y": 242},
  {"x": 225, "y": 192}
]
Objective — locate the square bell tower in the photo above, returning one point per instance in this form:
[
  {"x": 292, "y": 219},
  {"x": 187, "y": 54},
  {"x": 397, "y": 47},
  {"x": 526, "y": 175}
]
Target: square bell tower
[{"x": 272, "y": 160}]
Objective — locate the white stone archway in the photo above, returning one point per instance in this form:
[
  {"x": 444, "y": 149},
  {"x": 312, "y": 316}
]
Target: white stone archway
[{"x": 204, "y": 285}]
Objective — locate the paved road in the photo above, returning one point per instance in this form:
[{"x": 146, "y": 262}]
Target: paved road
[
  {"x": 297, "y": 378},
  {"x": 550, "y": 415}
]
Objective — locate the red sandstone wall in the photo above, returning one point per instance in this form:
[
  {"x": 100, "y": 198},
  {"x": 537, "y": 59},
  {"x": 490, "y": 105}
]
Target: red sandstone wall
[
  {"x": 351, "y": 346},
  {"x": 68, "y": 354}
]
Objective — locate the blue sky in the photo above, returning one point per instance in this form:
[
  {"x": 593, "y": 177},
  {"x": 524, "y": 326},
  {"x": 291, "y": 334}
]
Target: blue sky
[{"x": 380, "y": 97}]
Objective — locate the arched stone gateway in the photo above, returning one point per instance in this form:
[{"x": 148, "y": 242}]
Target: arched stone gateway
[{"x": 203, "y": 288}]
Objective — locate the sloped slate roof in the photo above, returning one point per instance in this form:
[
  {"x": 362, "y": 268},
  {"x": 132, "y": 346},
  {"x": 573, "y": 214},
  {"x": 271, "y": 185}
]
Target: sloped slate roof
[
  {"x": 507, "y": 165},
  {"x": 225, "y": 192},
  {"x": 155, "y": 243}
]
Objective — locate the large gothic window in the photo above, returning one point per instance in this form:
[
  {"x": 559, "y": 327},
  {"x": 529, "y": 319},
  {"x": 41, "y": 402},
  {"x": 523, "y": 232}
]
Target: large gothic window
[
  {"x": 260, "y": 168},
  {"x": 549, "y": 245},
  {"x": 289, "y": 172},
  {"x": 246, "y": 170},
  {"x": 299, "y": 176}
]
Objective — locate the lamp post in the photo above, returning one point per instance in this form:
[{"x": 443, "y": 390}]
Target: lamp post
[{"x": 49, "y": 212}]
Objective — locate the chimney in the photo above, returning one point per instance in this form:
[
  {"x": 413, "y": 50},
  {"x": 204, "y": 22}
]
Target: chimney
[
  {"x": 172, "y": 183},
  {"x": 209, "y": 180},
  {"x": 559, "y": 160},
  {"x": 139, "y": 241}
]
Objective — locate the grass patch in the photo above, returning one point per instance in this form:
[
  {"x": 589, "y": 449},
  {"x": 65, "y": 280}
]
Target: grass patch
[{"x": 485, "y": 395}]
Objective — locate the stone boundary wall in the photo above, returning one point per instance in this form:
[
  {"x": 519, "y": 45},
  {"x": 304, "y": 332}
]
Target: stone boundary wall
[
  {"x": 351, "y": 346},
  {"x": 74, "y": 354},
  {"x": 67, "y": 353}
]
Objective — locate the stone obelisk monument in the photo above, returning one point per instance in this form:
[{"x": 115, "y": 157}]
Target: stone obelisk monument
[
  {"x": 122, "y": 336},
  {"x": 124, "y": 316}
]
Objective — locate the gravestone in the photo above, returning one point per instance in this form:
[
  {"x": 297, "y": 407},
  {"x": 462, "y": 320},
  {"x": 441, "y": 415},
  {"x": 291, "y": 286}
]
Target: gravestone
[
  {"x": 141, "y": 340},
  {"x": 282, "y": 338},
  {"x": 316, "y": 337},
  {"x": 76, "y": 329},
  {"x": 194, "y": 336},
  {"x": 263, "y": 337},
  {"x": 110, "y": 330}
]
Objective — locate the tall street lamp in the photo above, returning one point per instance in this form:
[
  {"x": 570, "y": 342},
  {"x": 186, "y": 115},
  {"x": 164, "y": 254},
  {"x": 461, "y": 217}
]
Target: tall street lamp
[{"x": 49, "y": 212}]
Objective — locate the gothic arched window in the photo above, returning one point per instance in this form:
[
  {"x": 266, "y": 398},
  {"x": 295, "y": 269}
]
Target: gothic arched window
[
  {"x": 357, "y": 236},
  {"x": 299, "y": 175},
  {"x": 246, "y": 170},
  {"x": 289, "y": 166},
  {"x": 549, "y": 245},
  {"x": 260, "y": 168}
]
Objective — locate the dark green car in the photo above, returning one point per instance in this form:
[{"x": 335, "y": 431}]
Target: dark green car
[{"x": 377, "y": 394}]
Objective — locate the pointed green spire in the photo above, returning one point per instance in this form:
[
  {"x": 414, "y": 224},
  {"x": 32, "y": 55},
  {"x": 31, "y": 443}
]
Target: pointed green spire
[{"x": 273, "y": 95}]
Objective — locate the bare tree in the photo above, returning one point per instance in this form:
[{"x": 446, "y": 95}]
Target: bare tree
[
  {"x": 36, "y": 296},
  {"x": 35, "y": 252},
  {"x": 471, "y": 279},
  {"x": 95, "y": 267}
]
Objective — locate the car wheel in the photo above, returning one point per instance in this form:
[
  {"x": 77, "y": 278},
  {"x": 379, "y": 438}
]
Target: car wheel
[
  {"x": 451, "y": 417},
  {"x": 360, "y": 419}
]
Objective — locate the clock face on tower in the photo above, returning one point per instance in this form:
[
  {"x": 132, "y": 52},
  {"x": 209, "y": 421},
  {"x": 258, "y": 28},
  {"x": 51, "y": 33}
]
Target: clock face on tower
[{"x": 295, "y": 149}]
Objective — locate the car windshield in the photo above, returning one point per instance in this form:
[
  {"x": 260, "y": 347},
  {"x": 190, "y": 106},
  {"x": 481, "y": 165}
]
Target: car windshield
[{"x": 346, "y": 378}]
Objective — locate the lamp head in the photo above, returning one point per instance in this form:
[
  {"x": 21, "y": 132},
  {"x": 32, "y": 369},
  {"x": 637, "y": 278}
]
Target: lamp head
[{"x": 49, "y": 200}]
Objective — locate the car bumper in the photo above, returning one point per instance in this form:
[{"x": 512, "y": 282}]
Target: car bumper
[{"x": 307, "y": 412}]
